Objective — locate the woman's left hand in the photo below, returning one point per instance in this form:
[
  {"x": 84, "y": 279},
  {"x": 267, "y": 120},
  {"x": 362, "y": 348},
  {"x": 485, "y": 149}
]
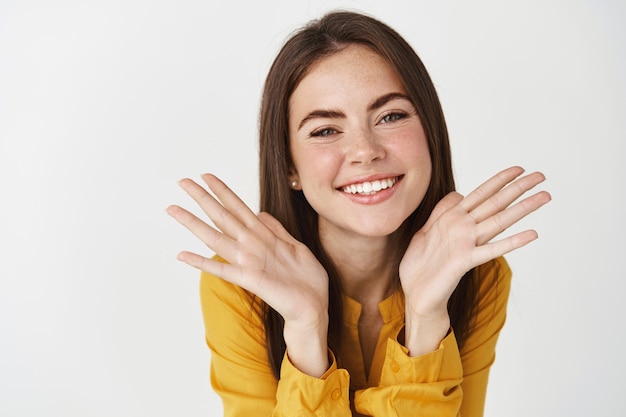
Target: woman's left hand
[{"x": 456, "y": 238}]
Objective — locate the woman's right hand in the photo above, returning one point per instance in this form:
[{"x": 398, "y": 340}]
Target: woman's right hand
[{"x": 266, "y": 260}]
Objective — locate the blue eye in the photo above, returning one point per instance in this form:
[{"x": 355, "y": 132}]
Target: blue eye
[
  {"x": 392, "y": 117},
  {"x": 324, "y": 132}
]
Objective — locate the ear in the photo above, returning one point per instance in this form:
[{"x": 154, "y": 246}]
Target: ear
[{"x": 294, "y": 180}]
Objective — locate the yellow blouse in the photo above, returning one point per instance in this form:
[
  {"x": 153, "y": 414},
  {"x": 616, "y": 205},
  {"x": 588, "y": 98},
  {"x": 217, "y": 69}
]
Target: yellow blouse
[{"x": 442, "y": 383}]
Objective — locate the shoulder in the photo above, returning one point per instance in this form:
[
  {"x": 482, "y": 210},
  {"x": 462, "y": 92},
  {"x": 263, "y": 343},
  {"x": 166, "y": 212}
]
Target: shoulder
[
  {"x": 495, "y": 268},
  {"x": 226, "y": 306},
  {"x": 235, "y": 334},
  {"x": 493, "y": 284},
  {"x": 493, "y": 280}
]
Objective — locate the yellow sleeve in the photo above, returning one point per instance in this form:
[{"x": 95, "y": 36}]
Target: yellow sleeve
[
  {"x": 425, "y": 386},
  {"x": 303, "y": 395},
  {"x": 240, "y": 373},
  {"x": 445, "y": 382},
  {"x": 479, "y": 351}
]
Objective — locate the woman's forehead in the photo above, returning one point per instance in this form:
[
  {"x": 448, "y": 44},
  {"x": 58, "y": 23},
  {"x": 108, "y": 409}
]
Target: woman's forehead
[{"x": 351, "y": 70}]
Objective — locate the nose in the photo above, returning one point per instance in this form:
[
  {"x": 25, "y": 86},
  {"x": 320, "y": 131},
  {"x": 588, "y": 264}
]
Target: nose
[{"x": 365, "y": 147}]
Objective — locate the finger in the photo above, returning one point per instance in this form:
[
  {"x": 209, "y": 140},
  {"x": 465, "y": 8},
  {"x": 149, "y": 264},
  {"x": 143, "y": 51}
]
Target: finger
[
  {"x": 446, "y": 203},
  {"x": 219, "y": 215},
  {"x": 212, "y": 266},
  {"x": 240, "y": 211},
  {"x": 496, "y": 224},
  {"x": 218, "y": 242},
  {"x": 498, "y": 248},
  {"x": 490, "y": 187},
  {"x": 506, "y": 196},
  {"x": 226, "y": 271},
  {"x": 235, "y": 206}
]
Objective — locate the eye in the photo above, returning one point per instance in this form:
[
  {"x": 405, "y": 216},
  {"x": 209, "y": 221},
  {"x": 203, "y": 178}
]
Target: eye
[
  {"x": 323, "y": 132},
  {"x": 392, "y": 117}
]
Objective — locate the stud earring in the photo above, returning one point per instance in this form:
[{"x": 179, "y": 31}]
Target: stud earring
[{"x": 294, "y": 184}]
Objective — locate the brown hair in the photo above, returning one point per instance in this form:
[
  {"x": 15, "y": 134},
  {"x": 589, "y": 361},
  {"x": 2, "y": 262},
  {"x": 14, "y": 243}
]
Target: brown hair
[{"x": 319, "y": 39}]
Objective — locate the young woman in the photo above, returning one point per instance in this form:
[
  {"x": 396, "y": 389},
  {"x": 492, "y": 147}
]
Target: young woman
[{"x": 366, "y": 285}]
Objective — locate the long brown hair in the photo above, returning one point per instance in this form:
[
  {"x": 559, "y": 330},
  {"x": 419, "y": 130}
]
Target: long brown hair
[{"x": 321, "y": 38}]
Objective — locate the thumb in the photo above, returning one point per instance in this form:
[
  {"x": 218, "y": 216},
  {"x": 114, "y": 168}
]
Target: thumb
[
  {"x": 446, "y": 203},
  {"x": 275, "y": 226}
]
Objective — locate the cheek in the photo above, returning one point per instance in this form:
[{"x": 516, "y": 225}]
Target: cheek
[
  {"x": 314, "y": 163},
  {"x": 413, "y": 149}
]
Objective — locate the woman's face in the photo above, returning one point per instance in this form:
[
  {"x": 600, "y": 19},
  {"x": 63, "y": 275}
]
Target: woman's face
[{"x": 359, "y": 151}]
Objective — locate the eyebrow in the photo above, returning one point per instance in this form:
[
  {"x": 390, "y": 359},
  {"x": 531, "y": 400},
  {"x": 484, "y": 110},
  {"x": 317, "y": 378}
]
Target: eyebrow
[
  {"x": 322, "y": 114},
  {"x": 336, "y": 114}
]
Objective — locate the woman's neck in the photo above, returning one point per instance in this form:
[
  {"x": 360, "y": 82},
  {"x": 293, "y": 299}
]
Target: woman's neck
[{"x": 364, "y": 264}]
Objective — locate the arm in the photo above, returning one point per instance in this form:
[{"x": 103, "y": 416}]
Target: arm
[
  {"x": 456, "y": 238},
  {"x": 424, "y": 386},
  {"x": 240, "y": 373},
  {"x": 263, "y": 259},
  {"x": 478, "y": 353},
  {"x": 445, "y": 381}
]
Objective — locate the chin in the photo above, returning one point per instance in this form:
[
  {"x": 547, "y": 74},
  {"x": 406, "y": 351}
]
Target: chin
[{"x": 378, "y": 230}]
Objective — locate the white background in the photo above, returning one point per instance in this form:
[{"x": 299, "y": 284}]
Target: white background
[{"x": 104, "y": 105}]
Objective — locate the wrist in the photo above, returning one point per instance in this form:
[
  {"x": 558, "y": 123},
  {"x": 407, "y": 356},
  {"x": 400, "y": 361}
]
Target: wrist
[
  {"x": 307, "y": 347},
  {"x": 423, "y": 334}
]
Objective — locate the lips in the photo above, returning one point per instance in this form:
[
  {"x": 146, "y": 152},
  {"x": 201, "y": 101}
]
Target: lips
[{"x": 370, "y": 187}]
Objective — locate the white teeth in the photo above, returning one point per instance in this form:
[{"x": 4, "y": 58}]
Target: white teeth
[{"x": 368, "y": 188}]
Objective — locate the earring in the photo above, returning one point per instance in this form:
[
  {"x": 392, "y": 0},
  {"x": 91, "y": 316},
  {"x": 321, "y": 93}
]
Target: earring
[{"x": 294, "y": 184}]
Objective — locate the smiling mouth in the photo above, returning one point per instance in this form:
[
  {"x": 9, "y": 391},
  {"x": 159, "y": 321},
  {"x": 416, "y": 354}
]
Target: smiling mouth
[{"x": 370, "y": 187}]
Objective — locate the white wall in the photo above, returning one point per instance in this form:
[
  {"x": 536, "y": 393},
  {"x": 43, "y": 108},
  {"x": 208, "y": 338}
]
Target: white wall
[{"x": 104, "y": 105}]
